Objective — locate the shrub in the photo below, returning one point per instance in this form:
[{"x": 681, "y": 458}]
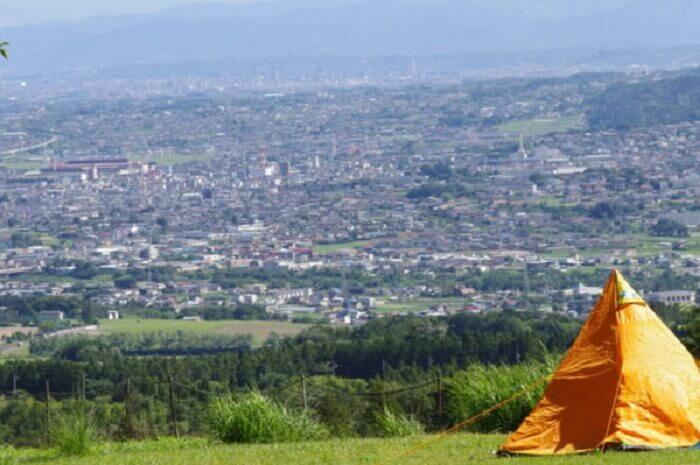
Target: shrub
[
  {"x": 74, "y": 434},
  {"x": 398, "y": 426},
  {"x": 253, "y": 418},
  {"x": 479, "y": 387}
]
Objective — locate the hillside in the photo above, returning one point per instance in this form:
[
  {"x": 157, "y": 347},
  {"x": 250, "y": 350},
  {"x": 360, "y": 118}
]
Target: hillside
[
  {"x": 212, "y": 33},
  {"x": 456, "y": 449},
  {"x": 646, "y": 103}
]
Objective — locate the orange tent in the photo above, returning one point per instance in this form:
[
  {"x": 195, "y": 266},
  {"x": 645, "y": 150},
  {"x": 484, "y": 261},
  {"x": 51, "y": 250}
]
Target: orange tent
[{"x": 627, "y": 381}]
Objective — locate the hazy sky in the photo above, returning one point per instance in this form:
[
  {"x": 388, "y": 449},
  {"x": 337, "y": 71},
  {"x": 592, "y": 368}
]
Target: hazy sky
[{"x": 15, "y": 12}]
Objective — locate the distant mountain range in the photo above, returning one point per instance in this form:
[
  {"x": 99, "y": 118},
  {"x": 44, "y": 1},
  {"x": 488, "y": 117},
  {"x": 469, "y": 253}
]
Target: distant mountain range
[{"x": 207, "y": 33}]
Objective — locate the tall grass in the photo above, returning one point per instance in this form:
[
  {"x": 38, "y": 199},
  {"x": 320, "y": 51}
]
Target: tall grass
[
  {"x": 479, "y": 387},
  {"x": 7, "y": 455},
  {"x": 393, "y": 425},
  {"x": 253, "y": 418},
  {"x": 74, "y": 434}
]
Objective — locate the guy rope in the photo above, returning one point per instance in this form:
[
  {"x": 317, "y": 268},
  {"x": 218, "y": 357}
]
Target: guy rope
[{"x": 463, "y": 424}]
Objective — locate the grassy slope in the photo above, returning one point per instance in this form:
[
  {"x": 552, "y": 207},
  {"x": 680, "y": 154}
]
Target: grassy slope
[{"x": 456, "y": 449}]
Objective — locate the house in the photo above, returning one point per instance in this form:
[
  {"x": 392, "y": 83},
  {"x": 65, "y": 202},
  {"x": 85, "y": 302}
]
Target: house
[
  {"x": 248, "y": 299},
  {"x": 673, "y": 297}
]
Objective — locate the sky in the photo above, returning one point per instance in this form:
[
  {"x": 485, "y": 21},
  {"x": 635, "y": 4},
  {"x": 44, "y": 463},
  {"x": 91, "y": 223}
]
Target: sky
[{"x": 18, "y": 12}]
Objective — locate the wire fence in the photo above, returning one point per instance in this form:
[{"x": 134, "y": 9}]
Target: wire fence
[{"x": 181, "y": 396}]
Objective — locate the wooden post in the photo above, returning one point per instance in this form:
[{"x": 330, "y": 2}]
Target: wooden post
[
  {"x": 82, "y": 386},
  {"x": 127, "y": 413},
  {"x": 304, "y": 395},
  {"x": 48, "y": 414},
  {"x": 14, "y": 385},
  {"x": 439, "y": 395},
  {"x": 383, "y": 385},
  {"x": 173, "y": 417}
]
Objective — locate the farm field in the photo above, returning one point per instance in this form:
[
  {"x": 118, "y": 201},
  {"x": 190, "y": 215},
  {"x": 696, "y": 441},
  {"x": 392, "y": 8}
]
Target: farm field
[
  {"x": 641, "y": 244},
  {"x": 456, "y": 449},
  {"x": 260, "y": 330},
  {"x": 10, "y": 330}
]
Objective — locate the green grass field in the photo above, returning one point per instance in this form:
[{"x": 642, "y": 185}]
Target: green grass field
[
  {"x": 543, "y": 126},
  {"x": 260, "y": 330},
  {"x": 456, "y": 449}
]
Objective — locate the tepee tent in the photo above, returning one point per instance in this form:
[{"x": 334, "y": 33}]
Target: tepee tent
[{"x": 627, "y": 381}]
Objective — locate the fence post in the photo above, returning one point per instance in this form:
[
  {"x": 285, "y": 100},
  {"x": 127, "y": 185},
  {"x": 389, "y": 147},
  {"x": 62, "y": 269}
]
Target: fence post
[
  {"x": 173, "y": 417},
  {"x": 304, "y": 395},
  {"x": 82, "y": 385},
  {"x": 383, "y": 384},
  {"x": 48, "y": 414},
  {"x": 127, "y": 412}
]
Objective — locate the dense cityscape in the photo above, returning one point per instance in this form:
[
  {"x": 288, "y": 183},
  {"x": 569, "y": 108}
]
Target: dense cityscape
[{"x": 409, "y": 193}]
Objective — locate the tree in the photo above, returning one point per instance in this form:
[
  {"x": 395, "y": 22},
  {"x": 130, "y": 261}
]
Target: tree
[
  {"x": 19, "y": 239},
  {"x": 602, "y": 210},
  {"x": 693, "y": 329},
  {"x": 3, "y": 48},
  {"x": 669, "y": 228},
  {"x": 162, "y": 222}
]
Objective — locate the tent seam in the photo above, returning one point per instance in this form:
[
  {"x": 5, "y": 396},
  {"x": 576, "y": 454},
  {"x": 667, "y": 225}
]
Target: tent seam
[{"x": 620, "y": 361}]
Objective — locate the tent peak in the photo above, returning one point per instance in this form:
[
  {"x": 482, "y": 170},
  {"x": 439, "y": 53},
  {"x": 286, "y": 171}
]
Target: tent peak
[{"x": 626, "y": 294}]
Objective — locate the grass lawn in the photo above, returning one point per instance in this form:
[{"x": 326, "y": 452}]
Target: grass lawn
[
  {"x": 260, "y": 330},
  {"x": 543, "y": 126},
  {"x": 455, "y": 449}
]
